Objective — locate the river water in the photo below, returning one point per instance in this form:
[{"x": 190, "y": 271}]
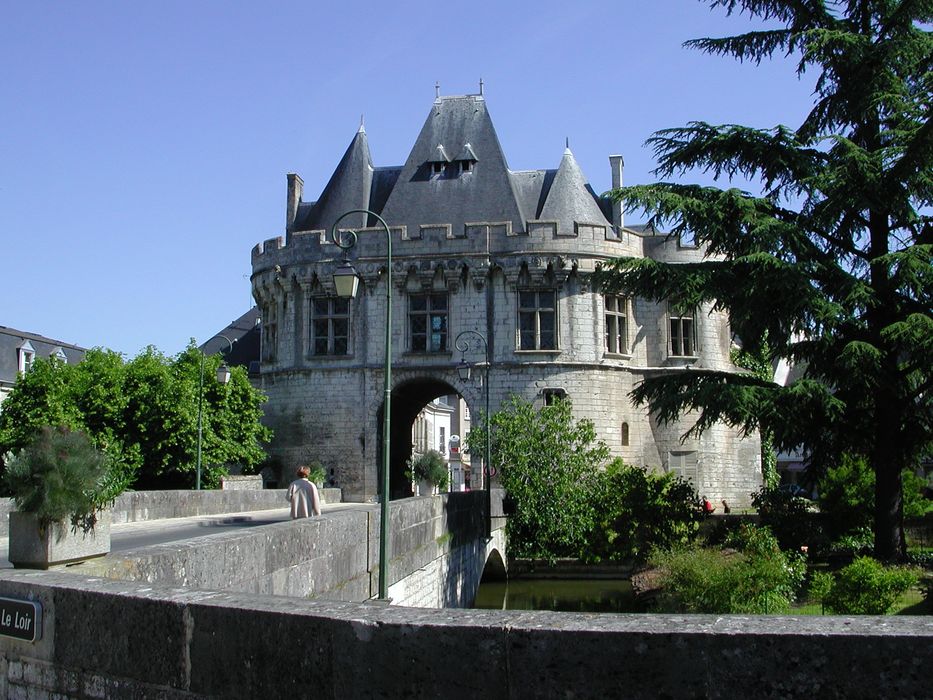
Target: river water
[{"x": 564, "y": 595}]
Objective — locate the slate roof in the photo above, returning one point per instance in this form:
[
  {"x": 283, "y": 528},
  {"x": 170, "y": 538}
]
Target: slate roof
[
  {"x": 570, "y": 198},
  {"x": 413, "y": 194},
  {"x": 349, "y": 188},
  {"x": 10, "y": 341},
  {"x": 244, "y": 333}
]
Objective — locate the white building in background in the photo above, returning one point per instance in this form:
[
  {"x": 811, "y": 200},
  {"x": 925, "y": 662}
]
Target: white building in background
[{"x": 443, "y": 426}]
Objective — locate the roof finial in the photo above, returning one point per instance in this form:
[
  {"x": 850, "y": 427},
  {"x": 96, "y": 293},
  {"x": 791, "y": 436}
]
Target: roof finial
[
  {"x": 481, "y": 87},
  {"x": 567, "y": 143},
  {"x": 362, "y": 126},
  {"x": 437, "y": 89}
]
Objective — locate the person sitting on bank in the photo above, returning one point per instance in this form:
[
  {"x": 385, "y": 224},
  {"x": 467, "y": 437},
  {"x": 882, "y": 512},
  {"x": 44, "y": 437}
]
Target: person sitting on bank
[
  {"x": 303, "y": 496},
  {"x": 708, "y": 508}
]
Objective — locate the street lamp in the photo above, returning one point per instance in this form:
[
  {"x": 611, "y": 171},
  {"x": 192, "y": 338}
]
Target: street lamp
[
  {"x": 463, "y": 371},
  {"x": 223, "y": 376},
  {"x": 346, "y": 282}
]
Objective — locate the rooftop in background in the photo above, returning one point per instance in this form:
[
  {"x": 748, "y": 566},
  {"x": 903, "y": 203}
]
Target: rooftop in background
[
  {"x": 244, "y": 334},
  {"x": 15, "y": 345}
]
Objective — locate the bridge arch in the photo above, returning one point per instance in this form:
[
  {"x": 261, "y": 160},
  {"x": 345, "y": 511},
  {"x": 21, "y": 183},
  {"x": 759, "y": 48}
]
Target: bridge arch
[{"x": 495, "y": 568}]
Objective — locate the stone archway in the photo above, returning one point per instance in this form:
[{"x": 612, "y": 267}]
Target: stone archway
[{"x": 409, "y": 397}]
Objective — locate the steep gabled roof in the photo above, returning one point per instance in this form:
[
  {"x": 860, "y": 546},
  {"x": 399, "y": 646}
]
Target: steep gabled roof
[
  {"x": 570, "y": 197},
  {"x": 484, "y": 194}
]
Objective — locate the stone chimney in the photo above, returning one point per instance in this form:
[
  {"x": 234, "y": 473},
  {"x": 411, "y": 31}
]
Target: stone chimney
[
  {"x": 616, "y": 164},
  {"x": 296, "y": 188}
]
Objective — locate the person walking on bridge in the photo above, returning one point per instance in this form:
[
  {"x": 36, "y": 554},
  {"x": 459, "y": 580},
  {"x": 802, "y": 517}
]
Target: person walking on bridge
[{"x": 303, "y": 496}]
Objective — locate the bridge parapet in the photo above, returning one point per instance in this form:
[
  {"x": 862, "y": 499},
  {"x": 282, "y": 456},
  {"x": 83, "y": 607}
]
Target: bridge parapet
[
  {"x": 116, "y": 639},
  {"x": 437, "y": 554}
]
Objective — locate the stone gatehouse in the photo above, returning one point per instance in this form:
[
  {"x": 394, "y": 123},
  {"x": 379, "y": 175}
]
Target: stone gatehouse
[{"x": 475, "y": 246}]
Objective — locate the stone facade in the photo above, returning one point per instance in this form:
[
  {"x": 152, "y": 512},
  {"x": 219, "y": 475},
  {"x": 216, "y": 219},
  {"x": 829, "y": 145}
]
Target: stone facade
[{"x": 509, "y": 254}]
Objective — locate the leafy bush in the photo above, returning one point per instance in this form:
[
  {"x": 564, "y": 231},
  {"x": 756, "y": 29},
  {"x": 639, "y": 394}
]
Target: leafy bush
[
  {"x": 847, "y": 496},
  {"x": 787, "y": 516},
  {"x": 62, "y": 476},
  {"x": 859, "y": 541},
  {"x": 430, "y": 466},
  {"x": 547, "y": 462},
  {"x": 317, "y": 473},
  {"x": 821, "y": 583},
  {"x": 867, "y": 587},
  {"x": 757, "y": 579},
  {"x": 916, "y": 502},
  {"x": 638, "y": 511}
]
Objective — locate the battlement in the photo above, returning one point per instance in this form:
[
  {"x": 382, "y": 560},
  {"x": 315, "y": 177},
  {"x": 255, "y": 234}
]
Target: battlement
[{"x": 480, "y": 238}]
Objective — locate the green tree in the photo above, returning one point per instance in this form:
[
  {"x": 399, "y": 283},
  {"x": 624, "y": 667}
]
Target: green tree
[
  {"x": 638, "y": 511},
  {"x": 142, "y": 414},
  {"x": 547, "y": 463},
  {"x": 833, "y": 263},
  {"x": 40, "y": 397}
]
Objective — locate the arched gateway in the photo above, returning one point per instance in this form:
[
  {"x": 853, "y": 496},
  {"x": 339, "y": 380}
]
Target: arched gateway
[{"x": 475, "y": 247}]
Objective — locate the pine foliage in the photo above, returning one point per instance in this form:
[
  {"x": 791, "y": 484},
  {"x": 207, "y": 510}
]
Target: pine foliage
[{"x": 832, "y": 263}]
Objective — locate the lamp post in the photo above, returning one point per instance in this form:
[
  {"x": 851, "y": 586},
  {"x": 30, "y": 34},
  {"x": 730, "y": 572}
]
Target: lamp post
[
  {"x": 346, "y": 282},
  {"x": 223, "y": 376},
  {"x": 463, "y": 371}
]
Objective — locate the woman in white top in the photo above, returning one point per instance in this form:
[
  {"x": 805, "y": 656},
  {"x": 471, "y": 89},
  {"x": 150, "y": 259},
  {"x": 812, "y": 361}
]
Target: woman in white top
[{"x": 303, "y": 496}]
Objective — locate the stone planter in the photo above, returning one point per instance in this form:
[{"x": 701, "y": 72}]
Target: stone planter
[
  {"x": 426, "y": 488},
  {"x": 58, "y": 544}
]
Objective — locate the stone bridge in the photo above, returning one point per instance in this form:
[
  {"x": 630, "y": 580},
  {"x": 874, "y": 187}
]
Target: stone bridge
[{"x": 438, "y": 552}]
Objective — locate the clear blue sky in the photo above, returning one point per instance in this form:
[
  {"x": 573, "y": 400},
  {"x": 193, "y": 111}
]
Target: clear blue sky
[{"x": 144, "y": 146}]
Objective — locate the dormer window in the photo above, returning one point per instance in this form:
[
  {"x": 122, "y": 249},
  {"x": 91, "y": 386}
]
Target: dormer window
[
  {"x": 59, "y": 355},
  {"x": 26, "y": 354},
  {"x": 467, "y": 159},
  {"x": 439, "y": 160}
]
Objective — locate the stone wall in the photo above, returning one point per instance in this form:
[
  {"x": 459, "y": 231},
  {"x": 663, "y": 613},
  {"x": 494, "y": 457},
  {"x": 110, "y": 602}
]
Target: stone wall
[
  {"x": 333, "y": 557},
  {"x": 327, "y": 408},
  {"x": 111, "y": 639},
  {"x": 241, "y": 483},
  {"x": 133, "y": 506}
]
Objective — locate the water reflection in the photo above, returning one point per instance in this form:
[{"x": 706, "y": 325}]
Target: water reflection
[{"x": 564, "y": 595}]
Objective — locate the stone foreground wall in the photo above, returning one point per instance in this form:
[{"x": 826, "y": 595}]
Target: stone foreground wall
[{"x": 109, "y": 639}]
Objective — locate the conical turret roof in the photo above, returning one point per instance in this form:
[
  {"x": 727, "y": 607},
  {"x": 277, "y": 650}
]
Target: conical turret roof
[
  {"x": 349, "y": 188},
  {"x": 570, "y": 197}
]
